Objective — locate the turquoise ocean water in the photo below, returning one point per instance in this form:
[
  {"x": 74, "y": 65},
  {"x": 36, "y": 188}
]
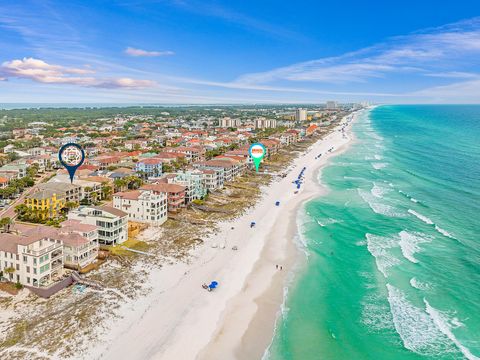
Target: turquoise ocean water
[{"x": 393, "y": 264}]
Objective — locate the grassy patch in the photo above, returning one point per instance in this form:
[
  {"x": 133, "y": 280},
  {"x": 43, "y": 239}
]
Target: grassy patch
[{"x": 9, "y": 287}]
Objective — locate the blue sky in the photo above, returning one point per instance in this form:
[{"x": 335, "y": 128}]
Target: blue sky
[{"x": 189, "y": 51}]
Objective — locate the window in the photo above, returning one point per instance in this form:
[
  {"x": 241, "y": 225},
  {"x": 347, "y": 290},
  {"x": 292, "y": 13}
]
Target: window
[{"x": 28, "y": 269}]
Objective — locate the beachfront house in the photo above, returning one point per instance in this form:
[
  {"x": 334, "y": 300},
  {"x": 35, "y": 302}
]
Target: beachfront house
[
  {"x": 34, "y": 259},
  {"x": 112, "y": 224},
  {"x": 175, "y": 194},
  {"x": 143, "y": 206},
  {"x": 80, "y": 244}
]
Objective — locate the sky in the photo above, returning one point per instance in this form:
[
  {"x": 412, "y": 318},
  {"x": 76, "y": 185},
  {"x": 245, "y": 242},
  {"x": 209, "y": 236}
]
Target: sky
[{"x": 263, "y": 51}]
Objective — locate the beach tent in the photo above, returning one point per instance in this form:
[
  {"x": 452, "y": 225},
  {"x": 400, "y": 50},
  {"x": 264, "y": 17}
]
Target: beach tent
[{"x": 213, "y": 285}]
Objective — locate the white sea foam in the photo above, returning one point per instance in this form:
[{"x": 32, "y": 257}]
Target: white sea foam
[
  {"x": 425, "y": 219},
  {"x": 300, "y": 239},
  {"x": 375, "y": 313},
  {"x": 353, "y": 178},
  {"x": 428, "y": 221},
  {"x": 409, "y": 244},
  {"x": 444, "y": 232},
  {"x": 379, "y": 247},
  {"x": 379, "y": 165},
  {"x": 419, "y": 285},
  {"x": 378, "y": 191},
  {"x": 412, "y": 199},
  {"x": 377, "y": 206},
  {"x": 418, "y": 331},
  {"x": 445, "y": 326},
  {"x": 327, "y": 222},
  {"x": 378, "y": 157}
]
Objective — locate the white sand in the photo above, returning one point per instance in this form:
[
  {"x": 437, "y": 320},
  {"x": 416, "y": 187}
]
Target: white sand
[{"x": 181, "y": 320}]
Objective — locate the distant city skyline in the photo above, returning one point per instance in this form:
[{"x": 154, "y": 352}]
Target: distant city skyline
[{"x": 209, "y": 52}]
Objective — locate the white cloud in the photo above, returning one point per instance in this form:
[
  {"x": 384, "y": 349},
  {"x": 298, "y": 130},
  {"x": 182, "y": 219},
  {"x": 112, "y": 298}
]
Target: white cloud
[
  {"x": 42, "y": 72},
  {"x": 454, "y": 75},
  {"x": 460, "y": 90},
  {"x": 139, "y": 52},
  {"x": 442, "y": 48}
]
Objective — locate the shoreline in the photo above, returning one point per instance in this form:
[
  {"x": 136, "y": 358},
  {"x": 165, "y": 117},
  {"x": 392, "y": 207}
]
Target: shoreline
[
  {"x": 261, "y": 301},
  {"x": 180, "y": 320}
]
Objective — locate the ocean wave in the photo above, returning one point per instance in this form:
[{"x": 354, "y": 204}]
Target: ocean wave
[
  {"x": 429, "y": 221},
  {"x": 419, "y": 285},
  {"x": 445, "y": 326},
  {"x": 411, "y": 198},
  {"x": 353, "y": 178},
  {"x": 378, "y": 191},
  {"x": 378, "y": 207},
  {"x": 444, "y": 232},
  {"x": 425, "y": 219},
  {"x": 379, "y": 165},
  {"x": 300, "y": 239},
  {"x": 328, "y": 221},
  {"x": 409, "y": 244},
  {"x": 418, "y": 331},
  {"x": 378, "y": 247}
]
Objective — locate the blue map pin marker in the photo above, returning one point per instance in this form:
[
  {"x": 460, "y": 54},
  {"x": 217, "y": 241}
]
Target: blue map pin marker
[{"x": 71, "y": 156}]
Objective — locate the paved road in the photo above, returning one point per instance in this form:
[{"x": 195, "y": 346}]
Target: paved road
[{"x": 10, "y": 210}]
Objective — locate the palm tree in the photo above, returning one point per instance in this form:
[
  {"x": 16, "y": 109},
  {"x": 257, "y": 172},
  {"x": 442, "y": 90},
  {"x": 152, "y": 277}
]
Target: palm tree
[
  {"x": 5, "y": 224},
  {"x": 106, "y": 191},
  {"x": 119, "y": 184}
]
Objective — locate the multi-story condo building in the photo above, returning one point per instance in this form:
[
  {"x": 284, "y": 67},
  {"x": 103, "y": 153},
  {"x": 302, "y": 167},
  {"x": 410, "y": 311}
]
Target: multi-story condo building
[
  {"x": 228, "y": 167},
  {"x": 300, "y": 115},
  {"x": 331, "y": 105},
  {"x": 213, "y": 179},
  {"x": 144, "y": 206},
  {"x": 175, "y": 194},
  {"x": 46, "y": 204},
  {"x": 229, "y": 122},
  {"x": 194, "y": 182},
  {"x": 112, "y": 224},
  {"x": 70, "y": 192},
  {"x": 262, "y": 123},
  {"x": 192, "y": 153},
  {"x": 152, "y": 167},
  {"x": 33, "y": 259}
]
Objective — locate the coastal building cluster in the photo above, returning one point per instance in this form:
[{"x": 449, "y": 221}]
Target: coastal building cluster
[{"x": 139, "y": 171}]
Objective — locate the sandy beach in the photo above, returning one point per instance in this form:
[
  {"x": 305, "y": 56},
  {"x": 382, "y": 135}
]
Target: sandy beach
[{"x": 181, "y": 320}]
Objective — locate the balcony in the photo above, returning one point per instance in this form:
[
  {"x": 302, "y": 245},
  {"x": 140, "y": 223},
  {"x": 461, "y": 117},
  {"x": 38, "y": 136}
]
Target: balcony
[
  {"x": 44, "y": 250},
  {"x": 56, "y": 254},
  {"x": 56, "y": 264}
]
